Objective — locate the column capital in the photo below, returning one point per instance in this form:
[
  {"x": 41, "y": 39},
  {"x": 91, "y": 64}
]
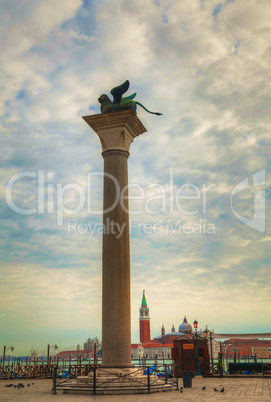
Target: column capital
[
  {"x": 115, "y": 151},
  {"x": 116, "y": 130}
]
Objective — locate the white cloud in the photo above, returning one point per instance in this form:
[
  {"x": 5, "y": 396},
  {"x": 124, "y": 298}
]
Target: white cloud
[{"x": 210, "y": 77}]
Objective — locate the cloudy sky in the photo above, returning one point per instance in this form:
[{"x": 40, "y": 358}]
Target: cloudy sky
[{"x": 206, "y": 66}]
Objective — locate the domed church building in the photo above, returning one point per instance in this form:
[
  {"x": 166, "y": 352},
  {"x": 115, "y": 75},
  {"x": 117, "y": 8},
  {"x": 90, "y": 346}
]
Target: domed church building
[
  {"x": 161, "y": 345},
  {"x": 170, "y": 336},
  {"x": 185, "y": 326}
]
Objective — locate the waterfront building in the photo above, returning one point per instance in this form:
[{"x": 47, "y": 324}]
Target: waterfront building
[
  {"x": 151, "y": 350},
  {"x": 262, "y": 351},
  {"x": 74, "y": 354},
  {"x": 244, "y": 348},
  {"x": 34, "y": 353}
]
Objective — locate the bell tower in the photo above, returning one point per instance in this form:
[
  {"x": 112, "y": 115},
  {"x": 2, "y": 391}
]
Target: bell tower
[{"x": 144, "y": 321}]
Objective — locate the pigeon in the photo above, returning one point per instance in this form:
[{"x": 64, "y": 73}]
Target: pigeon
[
  {"x": 117, "y": 92},
  {"x": 21, "y": 385},
  {"x": 216, "y": 390},
  {"x": 164, "y": 390},
  {"x": 32, "y": 383},
  {"x": 223, "y": 389},
  {"x": 14, "y": 386},
  {"x": 203, "y": 387},
  {"x": 181, "y": 391},
  {"x": 28, "y": 385}
]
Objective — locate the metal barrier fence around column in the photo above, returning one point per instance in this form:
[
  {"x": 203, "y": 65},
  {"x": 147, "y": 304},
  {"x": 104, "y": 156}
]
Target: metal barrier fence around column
[{"x": 99, "y": 380}]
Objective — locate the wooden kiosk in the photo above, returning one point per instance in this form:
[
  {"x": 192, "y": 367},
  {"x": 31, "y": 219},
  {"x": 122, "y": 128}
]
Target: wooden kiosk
[{"x": 184, "y": 354}]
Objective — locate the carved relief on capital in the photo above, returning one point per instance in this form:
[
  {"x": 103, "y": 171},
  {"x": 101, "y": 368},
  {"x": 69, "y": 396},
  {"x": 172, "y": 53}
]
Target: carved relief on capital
[
  {"x": 115, "y": 139},
  {"x": 116, "y": 130}
]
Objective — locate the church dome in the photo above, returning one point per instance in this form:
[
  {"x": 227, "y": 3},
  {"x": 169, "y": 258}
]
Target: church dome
[{"x": 185, "y": 326}]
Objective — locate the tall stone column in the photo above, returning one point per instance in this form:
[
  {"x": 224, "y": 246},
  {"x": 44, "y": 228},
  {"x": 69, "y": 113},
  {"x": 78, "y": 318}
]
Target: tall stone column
[{"x": 116, "y": 132}]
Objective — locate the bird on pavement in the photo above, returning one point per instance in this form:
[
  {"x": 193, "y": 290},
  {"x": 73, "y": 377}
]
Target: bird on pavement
[
  {"x": 223, "y": 389},
  {"x": 216, "y": 390},
  {"x": 203, "y": 387}
]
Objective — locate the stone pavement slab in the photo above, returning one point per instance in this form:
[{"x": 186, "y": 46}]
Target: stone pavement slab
[{"x": 236, "y": 389}]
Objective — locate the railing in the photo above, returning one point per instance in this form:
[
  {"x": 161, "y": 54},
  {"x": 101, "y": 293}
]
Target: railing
[
  {"x": 100, "y": 379},
  {"x": 251, "y": 368},
  {"x": 208, "y": 369},
  {"x": 42, "y": 370},
  {"x": 266, "y": 368}
]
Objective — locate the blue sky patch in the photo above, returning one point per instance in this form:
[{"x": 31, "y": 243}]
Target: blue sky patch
[
  {"x": 217, "y": 9},
  {"x": 237, "y": 44},
  {"x": 164, "y": 19},
  {"x": 21, "y": 94}
]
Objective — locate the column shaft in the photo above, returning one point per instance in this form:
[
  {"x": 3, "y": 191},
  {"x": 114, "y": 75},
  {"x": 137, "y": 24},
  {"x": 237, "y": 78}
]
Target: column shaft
[{"x": 116, "y": 320}]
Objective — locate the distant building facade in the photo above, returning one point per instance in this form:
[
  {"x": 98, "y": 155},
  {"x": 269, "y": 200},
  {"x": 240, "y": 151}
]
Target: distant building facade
[
  {"x": 74, "y": 354},
  {"x": 34, "y": 354},
  {"x": 244, "y": 348},
  {"x": 151, "y": 350}
]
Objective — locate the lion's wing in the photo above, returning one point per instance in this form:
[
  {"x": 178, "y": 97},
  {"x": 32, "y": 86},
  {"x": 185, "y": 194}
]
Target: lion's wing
[{"x": 128, "y": 97}]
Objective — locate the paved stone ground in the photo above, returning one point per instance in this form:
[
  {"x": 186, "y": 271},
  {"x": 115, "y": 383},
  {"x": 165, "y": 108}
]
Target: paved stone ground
[{"x": 236, "y": 389}]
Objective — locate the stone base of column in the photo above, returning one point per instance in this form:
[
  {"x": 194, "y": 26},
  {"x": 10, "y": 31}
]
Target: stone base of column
[
  {"x": 116, "y": 381},
  {"x": 104, "y": 371},
  {"x": 116, "y": 365}
]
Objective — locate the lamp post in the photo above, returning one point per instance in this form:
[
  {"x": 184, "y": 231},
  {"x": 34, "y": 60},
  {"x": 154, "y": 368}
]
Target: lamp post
[
  {"x": 206, "y": 331},
  {"x": 4, "y": 353},
  {"x": 48, "y": 351},
  {"x": 196, "y": 330}
]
